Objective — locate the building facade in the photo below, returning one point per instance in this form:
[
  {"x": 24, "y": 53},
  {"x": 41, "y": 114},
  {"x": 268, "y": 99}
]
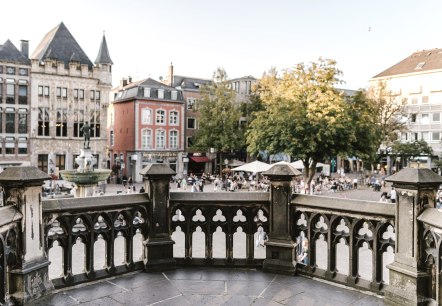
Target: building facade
[
  {"x": 67, "y": 91},
  {"x": 146, "y": 126},
  {"x": 15, "y": 107},
  {"x": 417, "y": 81}
]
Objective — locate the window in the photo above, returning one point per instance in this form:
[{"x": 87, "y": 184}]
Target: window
[
  {"x": 10, "y": 145},
  {"x": 46, "y": 91},
  {"x": 160, "y": 139},
  {"x": 22, "y": 145},
  {"x": 42, "y": 162},
  {"x": 174, "y": 94},
  {"x": 1, "y": 122},
  {"x": 10, "y": 120},
  {"x": 404, "y": 136},
  {"x": 58, "y": 92},
  {"x": 413, "y": 118},
  {"x": 426, "y": 136},
  {"x": 191, "y": 103},
  {"x": 61, "y": 129},
  {"x": 191, "y": 123},
  {"x": 78, "y": 123},
  {"x": 22, "y": 121},
  {"x": 414, "y": 100},
  {"x": 436, "y": 117},
  {"x": 81, "y": 94},
  {"x": 95, "y": 95},
  {"x": 160, "y": 116},
  {"x": 147, "y": 92},
  {"x": 10, "y": 91},
  {"x": 425, "y": 118},
  {"x": 146, "y": 139},
  {"x": 160, "y": 93},
  {"x": 146, "y": 116},
  {"x": 40, "y": 90},
  {"x": 64, "y": 92},
  {"x": 94, "y": 123},
  {"x": 189, "y": 142},
  {"x": 415, "y": 136},
  {"x": 173, "y": 118},
  {"x": 23, "y": 94},
  {"x": 435, "y": 136},
  {"x": 75, "y": 93},
  {"x": 60, "y": 162},
  {"x": 425, "y": 99},
  {"x": 111, "y": 138},
  {"x": 43, "y": 121},
  {"x": 173, "y": 139}
]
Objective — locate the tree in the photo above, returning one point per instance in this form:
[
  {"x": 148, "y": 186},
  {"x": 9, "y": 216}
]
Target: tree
[
  {"x": 407, "y": 150},
  {"x": 390, "y": 113},
  {"x": 304, "y": 116},
  {"x": 219, "y": 117}
]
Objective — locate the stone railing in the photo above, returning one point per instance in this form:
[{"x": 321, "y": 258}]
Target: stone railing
[
  {"x": 86, "y": 234},
  {"x": 391, "y": 249},
  {"x": 351, "y": 241}
]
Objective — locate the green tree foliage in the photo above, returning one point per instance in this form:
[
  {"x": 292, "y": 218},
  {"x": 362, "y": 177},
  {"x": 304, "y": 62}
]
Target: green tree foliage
[
  {"x": 219, "y": 117},
  {"x": 407, "y": 150},
  {"x": 304, "y": 116}
]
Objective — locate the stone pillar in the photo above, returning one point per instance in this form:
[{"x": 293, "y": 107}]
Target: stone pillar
[
  {"x": 159, "y": 244},
  {"x": 409, "y": 280},
  {"x": 280, "y": 248},
  {"x": 28, "y": 278}
]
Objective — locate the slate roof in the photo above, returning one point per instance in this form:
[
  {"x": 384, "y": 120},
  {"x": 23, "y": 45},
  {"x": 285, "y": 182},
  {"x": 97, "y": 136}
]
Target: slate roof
[
  {"x": 424, "y": 60},
  {"x": 136, "y": 90},
  {"x": 189, "y": 83},
  {"x": 59, "y": 44},
  {"x": 9, "y": 53},
  {"x": 103, "y": 54}
]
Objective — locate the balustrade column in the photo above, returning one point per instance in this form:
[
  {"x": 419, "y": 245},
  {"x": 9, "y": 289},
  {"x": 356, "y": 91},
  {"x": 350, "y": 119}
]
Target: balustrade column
[
  {"x": 409, "y": 279},
  {"x": 280, "y": 248},
  {"x": 28, "y": 277},
  {"x": 159, "y": 244}
]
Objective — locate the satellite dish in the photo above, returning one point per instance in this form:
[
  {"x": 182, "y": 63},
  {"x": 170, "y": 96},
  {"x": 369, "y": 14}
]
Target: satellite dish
[{"x": 161, "y": 78}]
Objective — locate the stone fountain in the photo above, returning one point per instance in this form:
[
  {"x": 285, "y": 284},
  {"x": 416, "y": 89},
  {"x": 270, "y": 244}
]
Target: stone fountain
[{"x": 85, "y": 176}]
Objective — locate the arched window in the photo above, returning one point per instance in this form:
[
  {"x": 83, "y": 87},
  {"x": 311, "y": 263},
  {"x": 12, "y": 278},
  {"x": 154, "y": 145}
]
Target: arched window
[
  {"x": 146, "y": 139},
  {"x": 173, "y": 139},
  {"x": 173, "y": 118},
  {"x": 160, "y": 139}
]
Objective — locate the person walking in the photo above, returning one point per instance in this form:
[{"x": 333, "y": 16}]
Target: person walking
[{"x": 393, "y": 195}]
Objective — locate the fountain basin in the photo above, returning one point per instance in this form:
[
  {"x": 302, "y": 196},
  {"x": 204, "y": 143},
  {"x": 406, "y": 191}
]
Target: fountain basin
[{"x": 85, "y": 178}]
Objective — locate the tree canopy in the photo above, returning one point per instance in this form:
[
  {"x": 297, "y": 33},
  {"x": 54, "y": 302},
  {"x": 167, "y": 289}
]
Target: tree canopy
[
  {"x": 306, "y": 116},
  {"x": 219, "y": 117}
]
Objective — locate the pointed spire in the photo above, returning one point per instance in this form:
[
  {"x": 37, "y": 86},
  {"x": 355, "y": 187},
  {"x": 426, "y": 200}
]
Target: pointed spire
[{"x": 103, "y": 54}]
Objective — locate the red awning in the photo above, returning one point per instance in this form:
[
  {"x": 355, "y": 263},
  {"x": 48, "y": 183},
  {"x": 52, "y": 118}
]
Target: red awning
[{"x": 200, "y": 159}]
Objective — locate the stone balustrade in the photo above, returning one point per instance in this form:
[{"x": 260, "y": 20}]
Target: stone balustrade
[{"x": 389, "y": 249}]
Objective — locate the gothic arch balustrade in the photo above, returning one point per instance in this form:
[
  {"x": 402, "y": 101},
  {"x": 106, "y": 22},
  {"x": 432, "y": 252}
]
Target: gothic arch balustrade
[
  {"x": 77, "y": 237},
  {"x": 219, "y": 221},
  {"x": 349, "y": 242}
]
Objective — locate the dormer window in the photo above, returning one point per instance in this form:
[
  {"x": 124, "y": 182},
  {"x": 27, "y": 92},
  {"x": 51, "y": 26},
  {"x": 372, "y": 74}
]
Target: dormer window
[
  {"x": 147, "y": 92},
  {"x": 419, "y": 66},
  {"x": 160, "y": 93},
  {"x": 174, "y": 94}
]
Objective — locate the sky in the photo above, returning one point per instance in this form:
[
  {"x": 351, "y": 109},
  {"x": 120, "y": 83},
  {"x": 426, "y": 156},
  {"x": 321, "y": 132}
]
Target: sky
[{"x": 244, "y": 37}]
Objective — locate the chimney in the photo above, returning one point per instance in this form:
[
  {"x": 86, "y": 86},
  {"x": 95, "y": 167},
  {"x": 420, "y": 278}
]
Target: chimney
[
  {"x": 123, "y": 82},
  {"x": 170, "y": 77},
  {"x": 25, "y": 48},
  {"x": 129, "y": 79}
]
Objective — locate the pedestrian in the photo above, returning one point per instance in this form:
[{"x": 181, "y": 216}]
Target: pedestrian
[
  {"x": 178, "y": 184},
  {"x": 383, "y": 198},
  {"x": 130, "y": 181},
  {"x": 355, "y": 183},
  {"x": 142, "y": 189},
  {"x": 184, "y": 183},
  {"x": 393, "y": 195},
  {"x": 134, "y": 189}
]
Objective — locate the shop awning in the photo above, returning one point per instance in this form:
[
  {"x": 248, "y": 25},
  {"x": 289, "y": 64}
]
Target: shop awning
[{"x": 200, "y": 159}]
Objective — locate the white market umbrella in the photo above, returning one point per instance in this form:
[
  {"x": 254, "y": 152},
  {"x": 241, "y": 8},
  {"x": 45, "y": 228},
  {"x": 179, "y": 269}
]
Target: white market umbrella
[{"x": 255, "y": 167}]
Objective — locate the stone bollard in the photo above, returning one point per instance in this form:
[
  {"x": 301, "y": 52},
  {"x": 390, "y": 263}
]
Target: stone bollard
[
  {"x": 28, "y": 278},
  {"x": 159, "y": 244},
  {"x": 280, "y": 248},
  {"x": 409, "y": 279}
]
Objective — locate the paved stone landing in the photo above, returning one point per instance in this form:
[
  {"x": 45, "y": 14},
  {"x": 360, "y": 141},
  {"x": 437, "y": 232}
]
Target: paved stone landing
[{"x": 209, "y": 286}]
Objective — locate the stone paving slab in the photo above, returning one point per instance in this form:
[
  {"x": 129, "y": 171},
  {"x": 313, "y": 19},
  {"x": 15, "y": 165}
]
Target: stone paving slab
[{"x": 209, "y": 286}]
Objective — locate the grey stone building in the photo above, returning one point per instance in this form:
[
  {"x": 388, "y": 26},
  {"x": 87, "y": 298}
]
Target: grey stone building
[
  {"x": 15, "y": 68},
  {"x": 67, "y": 90}
]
